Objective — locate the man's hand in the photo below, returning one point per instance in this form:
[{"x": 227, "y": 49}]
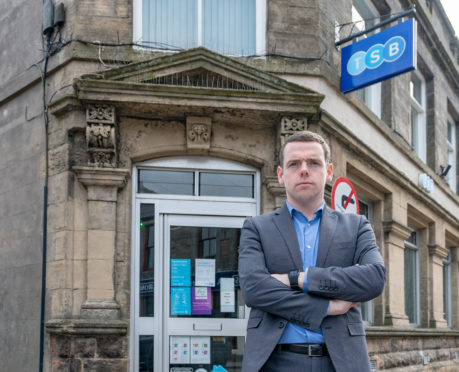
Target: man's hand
[{"x": 339, "y": 307}]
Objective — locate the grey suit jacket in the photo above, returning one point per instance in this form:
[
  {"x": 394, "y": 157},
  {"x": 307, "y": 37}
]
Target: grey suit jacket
[{"x": 269, "y": 245}]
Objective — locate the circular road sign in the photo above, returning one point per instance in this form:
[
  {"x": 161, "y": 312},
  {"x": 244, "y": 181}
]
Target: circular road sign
[{"x": 344, "y": 197}]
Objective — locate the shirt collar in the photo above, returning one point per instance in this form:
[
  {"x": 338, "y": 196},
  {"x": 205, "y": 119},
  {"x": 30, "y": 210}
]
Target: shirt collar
[{"x": 317, "y": 213}]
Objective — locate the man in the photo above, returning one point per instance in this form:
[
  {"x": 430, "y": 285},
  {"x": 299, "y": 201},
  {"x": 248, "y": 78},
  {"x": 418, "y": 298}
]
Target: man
[{"x": 303, "y": 270}]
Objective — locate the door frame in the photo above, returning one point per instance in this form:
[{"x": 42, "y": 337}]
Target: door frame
[{"x": 173, "y": 205}]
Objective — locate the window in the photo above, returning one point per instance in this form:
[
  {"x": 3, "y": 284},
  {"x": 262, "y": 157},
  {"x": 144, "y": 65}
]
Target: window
[
  {"x": 170, "y": 182},
  {"x": 452, "y": 153},
  {"x": 233, "y": 27},
  {"x": 418, "y": 116},
  {"x": 364, "y": 15},
  {"x": 366, "y": 209},
  {"x": 411, "y": 273},
  {"x": 447, "y": 288}
]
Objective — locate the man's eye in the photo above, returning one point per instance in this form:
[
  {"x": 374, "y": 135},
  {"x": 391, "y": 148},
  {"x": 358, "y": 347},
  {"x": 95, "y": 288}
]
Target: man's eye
[{"x": 292, "y": 164}]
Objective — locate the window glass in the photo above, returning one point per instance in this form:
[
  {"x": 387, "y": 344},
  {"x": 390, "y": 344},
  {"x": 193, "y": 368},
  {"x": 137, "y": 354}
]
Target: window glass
[
  {"x": 366, "y": 307},
  {"x": 226, "y": 184},
  {"x": 447, "y": 289},
  {"x": 194, "y": 353},
  {"x": 411, "y": 279},
  {"x": 147, "y": 255},
  {"x": 166, "y": 182},
  {"x": 229, "y": 26},
  {"x": 146, "y": 354},
  {"x": 169, "y": 24},
  {"x": 364, "y": 16},
  {"x": 224, "y": 26},
  {"x": 219, "y": 247}
]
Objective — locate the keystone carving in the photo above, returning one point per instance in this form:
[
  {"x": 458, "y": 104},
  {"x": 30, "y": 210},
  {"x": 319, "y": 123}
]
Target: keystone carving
[
  {"x": 289, "y": 126},
  {"x": 198, "y": 131},
  {"x": 101, "y": 136}
]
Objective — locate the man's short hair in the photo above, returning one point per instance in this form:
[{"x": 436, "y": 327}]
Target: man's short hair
[{"x": 305, "y": 136}]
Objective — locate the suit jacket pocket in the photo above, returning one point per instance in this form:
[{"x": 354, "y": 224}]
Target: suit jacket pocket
[
  {"x": 356, "y": 329},
  {"x": 254, "y": 322}
]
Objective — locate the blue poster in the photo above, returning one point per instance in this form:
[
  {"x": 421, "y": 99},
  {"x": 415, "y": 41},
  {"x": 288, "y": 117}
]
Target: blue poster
[
  {"x": 180, "y": 300},
  {"x": 180, "y": 272},
  {"x": 379, "y": 57}
]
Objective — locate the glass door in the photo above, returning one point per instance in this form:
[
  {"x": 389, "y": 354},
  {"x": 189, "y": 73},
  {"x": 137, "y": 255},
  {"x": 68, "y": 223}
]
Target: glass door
[
  {"x": 188, "y": 308},
  {"x": 203, "y": 310}
]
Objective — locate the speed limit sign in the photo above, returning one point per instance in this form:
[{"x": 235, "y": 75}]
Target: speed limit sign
[{"x": 344, "y": 197}]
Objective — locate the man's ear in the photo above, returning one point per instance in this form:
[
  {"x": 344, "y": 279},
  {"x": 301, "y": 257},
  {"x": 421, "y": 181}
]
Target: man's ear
[
  {"x": 330, "y": 172},
  {"x": 280, "y": 174}
]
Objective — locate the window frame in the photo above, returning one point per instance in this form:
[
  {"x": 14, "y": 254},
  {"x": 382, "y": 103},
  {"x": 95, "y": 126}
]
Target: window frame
[
  {"x": 370, "y": 95},
  {"x": 419, "y": 145},
  {"x": 447, "y": 288},
  {"x": 451, "y": 155},
  {"x": 368, "y": 304},
  {"x": 415, "y": 248},
  {"x": 260, "y": 27}
]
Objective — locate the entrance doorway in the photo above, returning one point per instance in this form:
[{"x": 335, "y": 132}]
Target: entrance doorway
[{"x": 188, "y": 310}]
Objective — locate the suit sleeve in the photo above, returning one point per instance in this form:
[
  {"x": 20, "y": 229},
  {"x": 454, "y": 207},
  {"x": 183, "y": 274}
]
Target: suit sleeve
[
  {"x": 263, "y": 292},
  {"x": 354, "y": 283}
]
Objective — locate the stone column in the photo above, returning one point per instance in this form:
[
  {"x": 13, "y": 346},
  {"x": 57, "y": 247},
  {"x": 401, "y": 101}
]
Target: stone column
[
  {"x": 437, "y": 254},
  {"x": 102, "y": 185},
  {"x": 394, "y": 294}
]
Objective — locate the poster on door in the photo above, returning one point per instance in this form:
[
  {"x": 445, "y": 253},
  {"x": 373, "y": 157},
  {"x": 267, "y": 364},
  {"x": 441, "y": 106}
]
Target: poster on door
[
  {"x": 180, "y": 301},
  {"x": 205, "y": 272},
  {"x": 200, "y": 350},
  {"x": 179, "y": 350}
]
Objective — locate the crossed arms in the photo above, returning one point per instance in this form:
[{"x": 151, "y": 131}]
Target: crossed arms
[{"x": 339, "y": 287}]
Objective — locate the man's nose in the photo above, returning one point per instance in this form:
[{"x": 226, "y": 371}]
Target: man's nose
[{"x": 304, "y": 167}]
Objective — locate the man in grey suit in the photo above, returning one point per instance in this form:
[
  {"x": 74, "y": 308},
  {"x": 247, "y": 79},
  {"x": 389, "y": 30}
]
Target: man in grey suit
[{"x": 303, "y": 270}]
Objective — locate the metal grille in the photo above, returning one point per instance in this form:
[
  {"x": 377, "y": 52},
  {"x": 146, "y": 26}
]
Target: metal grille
[{"x": 202, "y": 79}]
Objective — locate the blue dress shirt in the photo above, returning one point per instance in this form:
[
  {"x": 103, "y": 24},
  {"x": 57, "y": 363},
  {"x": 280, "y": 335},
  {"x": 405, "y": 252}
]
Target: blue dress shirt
[{"x": 307, "y": 232}]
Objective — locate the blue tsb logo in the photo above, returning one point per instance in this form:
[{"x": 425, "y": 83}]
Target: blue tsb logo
[{"x": 376, "y": 55}]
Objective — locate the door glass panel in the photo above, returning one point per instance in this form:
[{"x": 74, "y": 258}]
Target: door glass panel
[
  {"x": 204, "y": 279},
  {"x": 226, "y": 184},
  {"x": 147, "y": 255},
  {"x": 166, "y": 182},
  {"x": 205, "y": 352},
  {"x": 146, "y": 354}
]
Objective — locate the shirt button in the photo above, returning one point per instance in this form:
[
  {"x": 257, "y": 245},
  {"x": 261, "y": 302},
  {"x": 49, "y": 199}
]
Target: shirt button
[
  {"x": 309, "y": 224},
  {"x": 308, "y": 246}
]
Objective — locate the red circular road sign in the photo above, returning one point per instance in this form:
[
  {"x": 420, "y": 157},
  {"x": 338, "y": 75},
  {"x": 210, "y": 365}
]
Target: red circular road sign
[{"x": 344, "y": 197}]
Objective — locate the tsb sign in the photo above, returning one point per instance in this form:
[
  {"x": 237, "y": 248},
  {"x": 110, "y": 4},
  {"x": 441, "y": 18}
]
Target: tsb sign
[{"x": 379, "y": 57}]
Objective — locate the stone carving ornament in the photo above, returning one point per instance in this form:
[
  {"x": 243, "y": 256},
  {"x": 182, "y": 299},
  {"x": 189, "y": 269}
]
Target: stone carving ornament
[
  {"x": 101, "y": 135},
  {"x": 198, "y": 132}
]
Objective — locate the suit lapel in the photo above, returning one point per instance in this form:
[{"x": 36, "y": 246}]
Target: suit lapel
[
  {"x": 327, "y": 232},
  {"x": 283, "y": 221}
]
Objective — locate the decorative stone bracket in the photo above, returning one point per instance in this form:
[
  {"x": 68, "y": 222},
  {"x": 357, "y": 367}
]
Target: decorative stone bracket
[
  {"x": 275, "y": 189},
  {"x": 101, "y": 135},
  {"x": 287, "y": 127}
]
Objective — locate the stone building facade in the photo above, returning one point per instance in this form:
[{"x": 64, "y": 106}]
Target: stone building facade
[{"x": 152, "y": 158}]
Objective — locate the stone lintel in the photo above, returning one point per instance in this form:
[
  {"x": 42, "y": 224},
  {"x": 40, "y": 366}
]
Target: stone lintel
[
  {"x": 437, "y": 250},
  {"x": 87, "y": 327},
  {"x": 105, "y": 177},
  {"x": 396, "y": 228}
]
